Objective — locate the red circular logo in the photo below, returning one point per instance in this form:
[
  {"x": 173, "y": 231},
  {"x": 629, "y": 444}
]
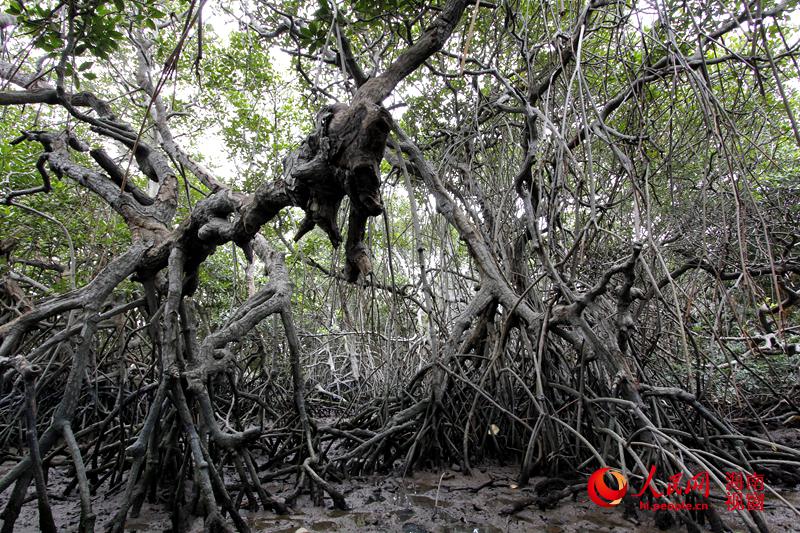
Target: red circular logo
[{"x": 602, "y": 494}]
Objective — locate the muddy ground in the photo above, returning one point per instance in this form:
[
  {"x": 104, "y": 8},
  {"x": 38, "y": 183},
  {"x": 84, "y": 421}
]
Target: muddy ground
[{"x": 436, "y": 502}]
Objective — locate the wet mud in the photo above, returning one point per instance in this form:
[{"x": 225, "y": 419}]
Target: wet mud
[{"x": 425, "y": 502}]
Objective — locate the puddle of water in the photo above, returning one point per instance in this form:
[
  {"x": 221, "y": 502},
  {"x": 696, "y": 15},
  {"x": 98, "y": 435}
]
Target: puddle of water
[
  {"x": 359, "y": 519},
  {"x": 277, "y": 527},
  {"x": 271, "y": 522},
  {"x": 427, "y": 501},
  {"x": 324, "y": 525},
  {"x": 472, "y": 528},
  {"x": 421, "y": 486}
]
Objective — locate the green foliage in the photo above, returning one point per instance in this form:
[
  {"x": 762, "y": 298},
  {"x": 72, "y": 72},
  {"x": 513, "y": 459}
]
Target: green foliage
[
  {"x": 256, "y": 110},
  {"x": 98, "y": 26},
  {"x": 43, "y": 239}
]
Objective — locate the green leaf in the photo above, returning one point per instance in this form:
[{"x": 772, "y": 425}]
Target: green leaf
[
  {"x": 90, "y": 75},
  {"x": 14, "y": 8},
  {"x": 324, "y": 10},
  {"x": 85, "y": 65}
]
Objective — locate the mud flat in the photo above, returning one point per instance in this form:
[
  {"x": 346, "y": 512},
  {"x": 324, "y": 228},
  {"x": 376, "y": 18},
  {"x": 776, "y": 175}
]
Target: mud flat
[{"x": 428, "y": 501}]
